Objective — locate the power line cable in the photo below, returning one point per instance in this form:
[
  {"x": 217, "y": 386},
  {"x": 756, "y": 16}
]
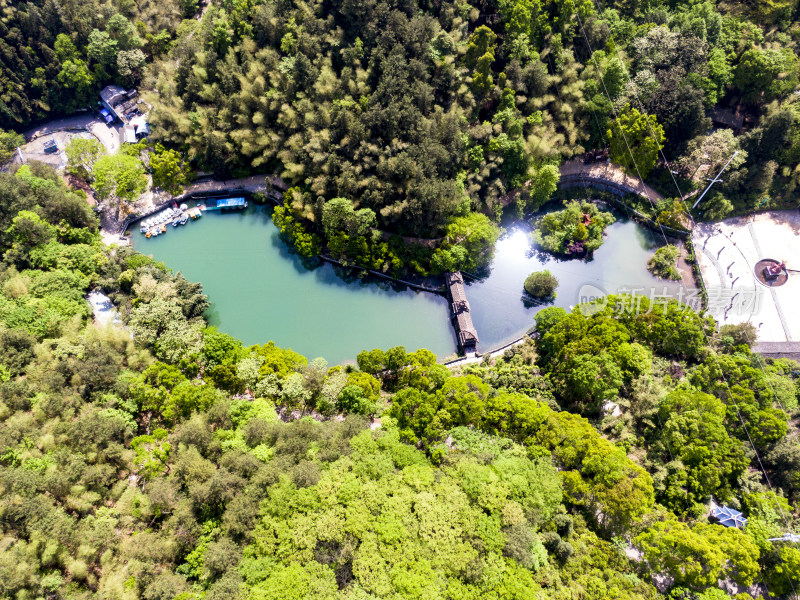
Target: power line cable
[
  {"x": 708, "y": 340},
  {"x": 616, "y": 116},
  {"x": 649, "y": 125}
]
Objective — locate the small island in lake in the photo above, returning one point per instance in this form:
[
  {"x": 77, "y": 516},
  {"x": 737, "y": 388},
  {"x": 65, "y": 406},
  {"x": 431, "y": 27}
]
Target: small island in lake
[
  {"x": 541, "y": 284},
  {"x": 576, "y": 231},
  {"x": 664, "y": 263}
]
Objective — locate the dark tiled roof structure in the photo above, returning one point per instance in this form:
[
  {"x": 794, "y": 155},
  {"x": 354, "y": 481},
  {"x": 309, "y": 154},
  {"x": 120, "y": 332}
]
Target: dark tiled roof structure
[{"x": 459, "y": 306}]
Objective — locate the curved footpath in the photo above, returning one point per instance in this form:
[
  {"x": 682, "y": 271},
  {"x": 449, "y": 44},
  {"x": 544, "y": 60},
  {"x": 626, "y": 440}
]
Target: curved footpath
[
  {"x": 604, "y": 175},
  {"x": 473, "y": 358}
]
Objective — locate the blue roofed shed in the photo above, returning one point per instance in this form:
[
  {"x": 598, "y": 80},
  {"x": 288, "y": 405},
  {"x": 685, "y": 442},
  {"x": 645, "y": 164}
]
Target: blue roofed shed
[
  {"x": 231, "y": 202},
  {"x": 727, "y": 516},
  {"x": 226, "y": 203}
]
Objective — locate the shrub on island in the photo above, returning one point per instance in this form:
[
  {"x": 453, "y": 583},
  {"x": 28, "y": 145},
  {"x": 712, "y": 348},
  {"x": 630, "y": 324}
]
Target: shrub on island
[
  {"x": 664, "y": 263},
  {"x": 575, "y": 231},
  {"x": 541, "y": 284}
]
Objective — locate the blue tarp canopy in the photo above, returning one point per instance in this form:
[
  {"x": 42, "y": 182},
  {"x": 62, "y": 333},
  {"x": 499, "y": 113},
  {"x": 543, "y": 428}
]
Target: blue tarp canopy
[
  {"x": 728, "y": 517},
  {"x": 106, "y": 115},
  {"x": 230, "y": 202}
]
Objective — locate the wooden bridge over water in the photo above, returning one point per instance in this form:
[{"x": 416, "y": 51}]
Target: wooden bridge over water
[{"x": 466, "y": 333}]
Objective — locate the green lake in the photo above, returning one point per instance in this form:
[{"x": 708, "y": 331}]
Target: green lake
[{"x": 261, "y": 292}]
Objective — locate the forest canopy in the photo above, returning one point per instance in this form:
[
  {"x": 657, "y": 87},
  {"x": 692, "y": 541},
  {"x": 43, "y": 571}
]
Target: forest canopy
[
  {"x": 165, "y": 459},
  {"x": 421, "y": 112},
  {"x": 426, "y": 113}
]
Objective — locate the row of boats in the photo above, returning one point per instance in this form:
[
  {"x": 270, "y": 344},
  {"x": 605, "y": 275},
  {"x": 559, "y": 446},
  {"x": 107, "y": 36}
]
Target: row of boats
[{"x": 157, "y": 224}]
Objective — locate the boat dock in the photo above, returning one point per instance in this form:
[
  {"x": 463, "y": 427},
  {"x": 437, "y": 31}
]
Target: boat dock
[
  {"x": 460, "y": 314},
  {"x": 158, "y": 223}
]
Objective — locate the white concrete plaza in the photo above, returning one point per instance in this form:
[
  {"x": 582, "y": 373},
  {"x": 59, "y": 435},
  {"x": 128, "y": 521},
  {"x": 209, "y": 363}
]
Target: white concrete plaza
[{"x": 727, "y": 253}]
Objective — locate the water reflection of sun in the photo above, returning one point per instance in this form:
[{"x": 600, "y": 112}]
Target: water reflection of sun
[{"x": 514, "y": 244}]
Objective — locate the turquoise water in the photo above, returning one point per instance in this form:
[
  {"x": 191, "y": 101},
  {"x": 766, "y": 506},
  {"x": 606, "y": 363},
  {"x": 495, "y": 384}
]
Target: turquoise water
[{"x": 261, "y": 292}]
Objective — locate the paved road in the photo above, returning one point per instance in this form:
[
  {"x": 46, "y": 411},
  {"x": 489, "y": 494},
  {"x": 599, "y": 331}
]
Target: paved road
[
  {"x": 778, "y": 349},
  {"x": 108, "y": 136},
  {"x": 602, "y": 175},
  {"x": 473, "y": 358}
]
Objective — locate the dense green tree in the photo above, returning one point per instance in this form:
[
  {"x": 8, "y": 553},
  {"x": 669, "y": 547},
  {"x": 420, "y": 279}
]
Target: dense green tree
[
  {"x": 677, "y": 114},
  {"x": 765, "y": 74},
  {"x": 9, "y": 142},
  {"x": 119, "y": 178},
  {"x": 82, "y": 154},
  {"x": 710, "y": 460},
  {"x": 575, "y": 231},
  {"x": 711, "y": 152},
  {"x": 130, "y": 64},
  {"x": 664, "y": 261},
  {"x": 287, "y": 220},
  {"x": 699, "y": 556},
  {"x": 170, "y": 172},
  {"x": 77, "y": 81},
  {"x": 635, "y": 140},
  {"x": 720, "y": 76},
  {"x": 543, "y": 183},
  {"x": 339, "y": 215},
  {"x": 468, "y": 244},
  {"x": 102, "y": 49},
  {"x": 55, "y": 57},
  {"x": 155, "y": 466},
  {"x": 541, "y": 284}
]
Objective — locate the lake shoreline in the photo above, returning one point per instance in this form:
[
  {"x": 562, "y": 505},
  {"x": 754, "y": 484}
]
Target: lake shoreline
[{"x": 260, "y": 290}]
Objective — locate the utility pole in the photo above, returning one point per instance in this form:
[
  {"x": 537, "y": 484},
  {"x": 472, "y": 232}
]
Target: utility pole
[{"x": 715, "y": 180}]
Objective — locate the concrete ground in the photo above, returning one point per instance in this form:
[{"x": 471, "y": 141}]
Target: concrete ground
[
  {"x": 727, "y": 253},
  {"x": 610, "y": 172},
  {"x": 62, "y": 130},
  {"x": 34, "y": 150}
]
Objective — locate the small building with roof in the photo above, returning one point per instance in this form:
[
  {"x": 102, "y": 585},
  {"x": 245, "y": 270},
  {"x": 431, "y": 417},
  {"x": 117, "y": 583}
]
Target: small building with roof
[
  {"x": 140, "y": 125},
  {"x": 726, "y": 117},
  {"x": 129, "y": 134},
  {"x": 726, "y": 516},
  {"x": 116, "y": 102},
  {"x": 238, "y": 203},
  {"x": 466, "y": 333}
]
